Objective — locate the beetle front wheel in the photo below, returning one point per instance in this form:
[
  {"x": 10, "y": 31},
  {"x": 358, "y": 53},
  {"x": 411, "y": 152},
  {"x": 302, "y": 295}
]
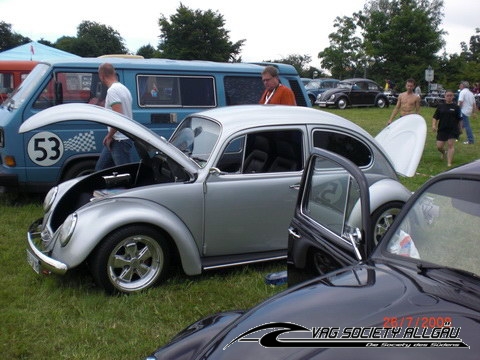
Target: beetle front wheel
[
  {"x": 130, "y": 260},
  {"x": 342, "y": 103}
]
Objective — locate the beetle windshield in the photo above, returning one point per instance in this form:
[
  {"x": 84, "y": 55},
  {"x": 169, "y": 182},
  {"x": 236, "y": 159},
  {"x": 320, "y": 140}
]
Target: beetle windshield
[
  {"x": 196, "y": 137},
  {"x": 442, "y": 226},
  {"x": 344, "y": 85},
  {"x": 312, "y": 85}
]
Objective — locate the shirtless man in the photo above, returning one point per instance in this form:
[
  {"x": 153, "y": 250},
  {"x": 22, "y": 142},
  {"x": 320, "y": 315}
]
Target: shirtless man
[{"x": 408, "y": 102}]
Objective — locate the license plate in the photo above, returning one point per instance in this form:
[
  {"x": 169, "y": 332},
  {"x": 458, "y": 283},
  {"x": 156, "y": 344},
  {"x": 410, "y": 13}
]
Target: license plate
[{"x": 33, "y": 261}]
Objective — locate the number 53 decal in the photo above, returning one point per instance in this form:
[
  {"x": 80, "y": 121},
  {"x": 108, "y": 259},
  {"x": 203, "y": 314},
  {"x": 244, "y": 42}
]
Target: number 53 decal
[{"x": 45, "y": 148}]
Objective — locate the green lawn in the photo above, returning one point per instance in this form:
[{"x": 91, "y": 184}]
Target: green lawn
[{"x": 69, "y": 318}]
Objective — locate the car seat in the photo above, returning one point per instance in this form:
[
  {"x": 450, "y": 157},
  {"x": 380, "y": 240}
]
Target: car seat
[{"x": 256, "y": 161}]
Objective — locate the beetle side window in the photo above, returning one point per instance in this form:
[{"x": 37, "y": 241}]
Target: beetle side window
[
  {"x": 264, "y": 152},
  {"x": 344, "y": 145},
  {"x": 373, "y": 86}
]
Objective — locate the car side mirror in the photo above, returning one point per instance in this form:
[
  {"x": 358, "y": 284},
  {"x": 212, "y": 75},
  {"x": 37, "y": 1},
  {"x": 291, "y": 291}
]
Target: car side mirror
[
  {"x": 216, "y": 171},
  {"x": 355, "y": 239}
]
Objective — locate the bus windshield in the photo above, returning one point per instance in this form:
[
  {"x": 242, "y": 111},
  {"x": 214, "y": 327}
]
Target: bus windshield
[{"x": 24, "y": 92}]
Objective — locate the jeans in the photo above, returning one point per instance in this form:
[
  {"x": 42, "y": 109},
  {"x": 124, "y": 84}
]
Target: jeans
[
  {"x": 468, "y": 128},
  {"x": 118, "y": 154}
]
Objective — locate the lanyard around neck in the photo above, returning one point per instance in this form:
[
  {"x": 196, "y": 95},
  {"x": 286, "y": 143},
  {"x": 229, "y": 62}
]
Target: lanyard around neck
[{"x": 268, "y": 97}]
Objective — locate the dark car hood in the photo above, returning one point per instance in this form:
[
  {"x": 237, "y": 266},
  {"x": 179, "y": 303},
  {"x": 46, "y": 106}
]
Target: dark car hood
[{"x": 364, "y": 297}]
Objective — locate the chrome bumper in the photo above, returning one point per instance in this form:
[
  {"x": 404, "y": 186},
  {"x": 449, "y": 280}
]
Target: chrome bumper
[
  {"x": 324, "y": 103},
  {"x": 38, "y": 260}
]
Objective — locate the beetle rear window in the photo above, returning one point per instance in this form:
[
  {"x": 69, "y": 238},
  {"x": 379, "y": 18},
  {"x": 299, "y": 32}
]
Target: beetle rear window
[{"x": 344, "y": 145}]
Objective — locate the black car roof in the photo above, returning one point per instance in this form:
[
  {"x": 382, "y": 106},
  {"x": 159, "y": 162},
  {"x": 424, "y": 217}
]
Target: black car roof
[
  {"x": 357, "y": 79},
  {"x": 472, "y": 168}
]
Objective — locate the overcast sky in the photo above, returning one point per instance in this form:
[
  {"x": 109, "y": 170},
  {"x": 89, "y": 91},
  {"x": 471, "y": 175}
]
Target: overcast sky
[{"x": 272, "y": 30}]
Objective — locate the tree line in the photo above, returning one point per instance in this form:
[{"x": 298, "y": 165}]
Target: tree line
[{"x": 386, "y": 39}]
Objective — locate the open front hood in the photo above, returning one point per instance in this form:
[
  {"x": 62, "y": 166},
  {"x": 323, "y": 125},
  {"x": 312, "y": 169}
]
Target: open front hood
[
  {"x": 403, "y": 140},
  {"x": 77, "y": 112}
]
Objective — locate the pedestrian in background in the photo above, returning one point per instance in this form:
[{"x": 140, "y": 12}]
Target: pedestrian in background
[
  {"x": 466, "y": 101},
  {"x": 407, "y": 103},
  {"x": 418, "y": 91},
  {"x": 117, "y": 147},
  {"x": 275, "y": 92},
  {"x": 446, "y": 122}
]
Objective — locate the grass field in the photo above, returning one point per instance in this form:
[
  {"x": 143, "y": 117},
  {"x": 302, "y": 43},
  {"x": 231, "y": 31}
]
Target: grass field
[{"x": 70, "y": 318}]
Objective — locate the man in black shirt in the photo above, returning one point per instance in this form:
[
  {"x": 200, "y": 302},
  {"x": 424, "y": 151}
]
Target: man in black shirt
[{"x": 447, "y": 123}]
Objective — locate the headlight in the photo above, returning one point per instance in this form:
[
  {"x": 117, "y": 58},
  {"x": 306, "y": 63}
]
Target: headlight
[
  {"x": 67, "y": 228},
  {"x": 50, "y": 198},
  {"x": 332, "y": 97}
]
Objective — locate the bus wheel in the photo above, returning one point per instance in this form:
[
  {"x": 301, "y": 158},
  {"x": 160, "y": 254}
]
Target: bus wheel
[{"x": 80, "y": 168}]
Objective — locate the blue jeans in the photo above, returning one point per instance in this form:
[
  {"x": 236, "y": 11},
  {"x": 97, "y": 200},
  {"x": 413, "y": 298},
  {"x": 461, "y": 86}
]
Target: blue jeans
[
  {"x": 118, "y": 154},
  {"x": 468, "y": 128}
]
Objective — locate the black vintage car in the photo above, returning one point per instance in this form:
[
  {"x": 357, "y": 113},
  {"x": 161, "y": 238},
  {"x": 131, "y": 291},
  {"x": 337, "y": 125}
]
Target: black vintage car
[
  {"x": 354, "y": 92},
  {"x": 414, "y": 295},
  {"x": 317, "y": 86}
]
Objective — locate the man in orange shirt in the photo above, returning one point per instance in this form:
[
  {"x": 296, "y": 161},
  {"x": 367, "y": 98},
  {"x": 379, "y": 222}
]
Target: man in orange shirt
[{"x": 275, "y": 93}]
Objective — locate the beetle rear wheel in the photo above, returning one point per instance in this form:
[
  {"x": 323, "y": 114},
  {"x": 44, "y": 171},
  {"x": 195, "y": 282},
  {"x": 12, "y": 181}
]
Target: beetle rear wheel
[
  {"x": 381, "y": 103},
  {"x": 383, "y": 217},
  {"x": 130, "y": 260}
]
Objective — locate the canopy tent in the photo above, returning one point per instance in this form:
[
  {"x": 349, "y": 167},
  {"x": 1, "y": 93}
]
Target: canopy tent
[{"x": 35, "y": 51}]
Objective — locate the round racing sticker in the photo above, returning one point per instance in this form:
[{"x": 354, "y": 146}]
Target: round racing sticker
[{"x": 45, "y": 148}]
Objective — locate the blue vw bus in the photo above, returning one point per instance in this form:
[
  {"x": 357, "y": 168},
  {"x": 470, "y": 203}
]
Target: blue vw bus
[{"x": 164, "y": 92}]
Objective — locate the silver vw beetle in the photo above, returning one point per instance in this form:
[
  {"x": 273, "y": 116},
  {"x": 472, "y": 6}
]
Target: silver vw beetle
[{"x": 221, "y": 192}]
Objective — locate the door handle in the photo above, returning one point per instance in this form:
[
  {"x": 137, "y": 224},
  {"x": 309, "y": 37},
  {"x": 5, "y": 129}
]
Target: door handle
[
  {"x": 294, "y": 233},
  {"x": 295, "y": 186}
]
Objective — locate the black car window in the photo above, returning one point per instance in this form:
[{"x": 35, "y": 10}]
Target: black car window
[
  {"x": 330, "y": 196},
  {"x": 363, "y": 85},
  {"x": 264, "y": 152},
  {"x": 342, "y": 144}
]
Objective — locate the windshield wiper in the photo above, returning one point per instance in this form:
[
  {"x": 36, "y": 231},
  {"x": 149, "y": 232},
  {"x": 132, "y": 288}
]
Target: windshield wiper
[{"x": 422, "y": 269}]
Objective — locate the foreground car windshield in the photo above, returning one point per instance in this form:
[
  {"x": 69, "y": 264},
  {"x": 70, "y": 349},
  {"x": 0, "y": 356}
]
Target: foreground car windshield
[
  {"x": 442, "y": 227},
  {"x": 196, "y": 137}
]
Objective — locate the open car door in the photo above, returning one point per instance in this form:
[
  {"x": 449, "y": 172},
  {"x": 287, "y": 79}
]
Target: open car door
[
  {"x": 403, "y": 140},
  {"x": 333, "y": 195}
]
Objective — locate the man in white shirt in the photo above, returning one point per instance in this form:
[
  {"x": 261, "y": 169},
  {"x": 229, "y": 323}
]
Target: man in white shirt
[
  {"x": 117, "y": 147},
  {"x": 466, "y": 101}
]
